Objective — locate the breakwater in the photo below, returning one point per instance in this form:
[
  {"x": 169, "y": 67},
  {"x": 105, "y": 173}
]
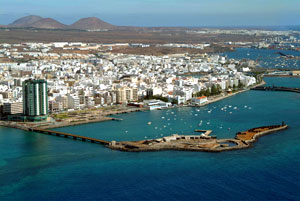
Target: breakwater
[
  {"x": 202, "y": 142},
  {"x": 276, "y": 88}
]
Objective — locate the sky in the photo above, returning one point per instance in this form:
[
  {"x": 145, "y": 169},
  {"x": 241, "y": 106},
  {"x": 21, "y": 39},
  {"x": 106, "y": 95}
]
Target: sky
[{"x": 193, "y": 13}]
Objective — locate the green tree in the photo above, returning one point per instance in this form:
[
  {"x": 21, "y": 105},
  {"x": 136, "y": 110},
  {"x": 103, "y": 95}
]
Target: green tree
[
  {"x": 241, "y": 85},
  {"x": 214, "y": 90},
  {"x": 207, "y": 92},
  {"x": 174, "y": 102}
]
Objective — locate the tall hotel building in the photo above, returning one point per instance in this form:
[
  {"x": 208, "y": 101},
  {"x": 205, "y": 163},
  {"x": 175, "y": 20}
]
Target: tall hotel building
[{"x": 35, "y": 100}]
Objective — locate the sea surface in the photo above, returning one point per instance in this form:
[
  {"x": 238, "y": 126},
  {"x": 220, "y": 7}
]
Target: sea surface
[
  {"x": 267, "y": 58},
  {"x": 39, "y": 167}
]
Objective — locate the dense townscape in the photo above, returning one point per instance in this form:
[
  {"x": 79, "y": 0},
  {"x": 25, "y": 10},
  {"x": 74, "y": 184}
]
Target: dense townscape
[
  {"x": 78, "y": 81},
  {"x": 80, "y": 75}
]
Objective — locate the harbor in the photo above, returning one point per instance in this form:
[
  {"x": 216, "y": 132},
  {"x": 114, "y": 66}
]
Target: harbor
[
  {"x": 202, "y": 142},
  {"x": 75, "y": 118},
  {"x": 31, "y": 159}
]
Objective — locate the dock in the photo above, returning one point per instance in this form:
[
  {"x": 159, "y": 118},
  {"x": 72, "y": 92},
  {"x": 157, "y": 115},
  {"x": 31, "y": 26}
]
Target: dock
[{"x": 70, "y": 136}]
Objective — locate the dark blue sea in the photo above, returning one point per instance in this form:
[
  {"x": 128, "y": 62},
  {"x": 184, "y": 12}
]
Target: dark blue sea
[{"x": 37, "y": 167}]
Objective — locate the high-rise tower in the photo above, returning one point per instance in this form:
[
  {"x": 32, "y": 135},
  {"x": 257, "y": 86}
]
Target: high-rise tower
[{"x": 35, "y": 99}]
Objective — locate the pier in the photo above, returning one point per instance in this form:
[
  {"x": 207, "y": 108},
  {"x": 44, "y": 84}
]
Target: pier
[
  {"x": 70, "y": 136},
  {"x": 275, "y": 88}
]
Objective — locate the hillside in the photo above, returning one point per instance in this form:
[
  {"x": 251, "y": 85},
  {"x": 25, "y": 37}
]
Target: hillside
[
  {"x": 25, "y": 21},
  {"x": 37, "y": 22},
  {"x": 91, "y": 23},
  {"x": 48, "y": 23}
]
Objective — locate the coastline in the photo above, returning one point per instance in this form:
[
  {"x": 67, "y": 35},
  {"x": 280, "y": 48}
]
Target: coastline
[
  {"x": 228, "y": 95},
  {"x": 59, "y": 124},
  {"x": 102, "y": 118},
  {"x": 104, "y": 115}
]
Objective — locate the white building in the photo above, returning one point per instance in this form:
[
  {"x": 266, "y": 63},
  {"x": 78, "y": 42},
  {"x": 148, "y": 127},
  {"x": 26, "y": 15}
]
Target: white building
[
  {"x": 73, "y": 102},
  {"x": 199, "y": 100},
  {"x": 156, "y": 104}
]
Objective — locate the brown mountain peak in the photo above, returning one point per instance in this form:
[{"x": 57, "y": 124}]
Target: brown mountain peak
[
  {"x": 26, "y": 21},
  {"x": 91, "y": 23},
  {"x": 48, "y": 23}
]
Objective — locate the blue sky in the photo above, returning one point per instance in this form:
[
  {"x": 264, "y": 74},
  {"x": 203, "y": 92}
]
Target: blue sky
[{"x": 159, "y": 12}]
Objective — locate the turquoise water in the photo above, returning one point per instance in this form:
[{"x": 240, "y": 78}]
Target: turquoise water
[
  {"x": 40, "y": 167},
  {"x": 267, "y": 58}
]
